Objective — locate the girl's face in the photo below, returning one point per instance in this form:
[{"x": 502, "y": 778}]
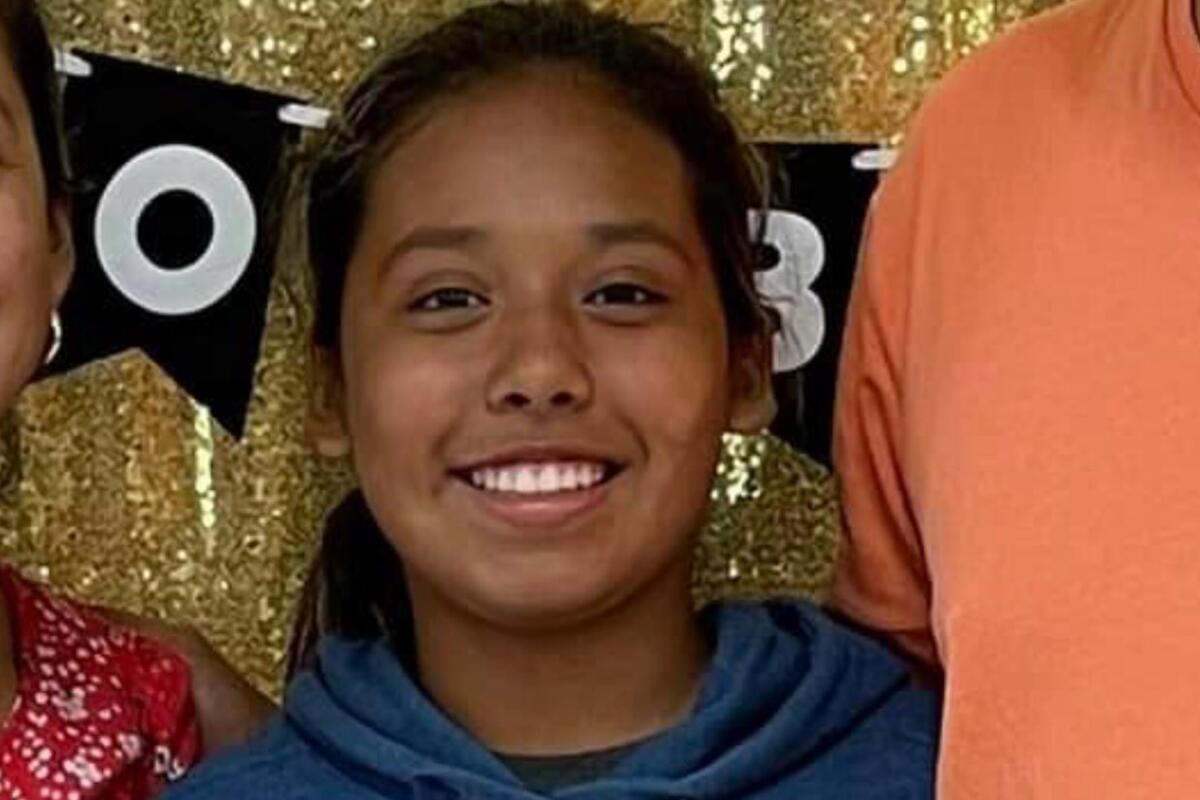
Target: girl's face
[
  {"x": 35, "y": 246},
  {"x": 534, "y": 365}
]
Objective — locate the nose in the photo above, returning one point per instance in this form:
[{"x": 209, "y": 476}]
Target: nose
[{"x": 541, "y": 369}]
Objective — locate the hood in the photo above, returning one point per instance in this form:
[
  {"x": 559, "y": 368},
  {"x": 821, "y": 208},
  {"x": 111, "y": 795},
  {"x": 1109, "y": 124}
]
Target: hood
[{"x": 787, "y": 690}]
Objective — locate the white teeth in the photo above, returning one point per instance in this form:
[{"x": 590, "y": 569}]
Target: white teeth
[
  {"x": 570, "y": 479},
  {"x": 543, "y": 478},
  {"x": 526, "y": 480},
  {"x": 547, "y": 480}
]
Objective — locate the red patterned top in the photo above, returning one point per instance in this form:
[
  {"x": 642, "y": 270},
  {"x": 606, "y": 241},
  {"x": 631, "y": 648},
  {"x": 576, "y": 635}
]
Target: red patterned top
[{"x": 99, "y": 713}]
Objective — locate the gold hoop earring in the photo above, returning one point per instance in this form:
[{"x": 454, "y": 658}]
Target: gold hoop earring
[{"x": 56, "y": 338}]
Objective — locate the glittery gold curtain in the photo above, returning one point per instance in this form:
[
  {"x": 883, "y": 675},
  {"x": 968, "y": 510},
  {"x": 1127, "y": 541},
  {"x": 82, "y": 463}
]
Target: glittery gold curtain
[{"x": 117, "y": 489}]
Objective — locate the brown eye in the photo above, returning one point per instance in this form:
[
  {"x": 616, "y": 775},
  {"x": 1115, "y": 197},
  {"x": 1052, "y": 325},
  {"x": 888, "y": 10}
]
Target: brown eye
[
  {"x": 625, "y": 294},
  {"x": 450, "y": 299}
]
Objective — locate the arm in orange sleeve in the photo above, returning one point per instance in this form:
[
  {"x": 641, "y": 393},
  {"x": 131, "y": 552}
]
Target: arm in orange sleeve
[{"x": 882, "y": 581}]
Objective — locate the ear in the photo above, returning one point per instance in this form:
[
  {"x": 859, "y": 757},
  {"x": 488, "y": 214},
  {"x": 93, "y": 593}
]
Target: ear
[
  {"x": 752, "y": 406},
  {"x": 62, "y": 250},
  {"x": 326, "y": 424}
]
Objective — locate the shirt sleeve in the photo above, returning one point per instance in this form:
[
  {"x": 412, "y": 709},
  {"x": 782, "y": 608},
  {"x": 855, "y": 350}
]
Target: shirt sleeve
[
  {"x": 162, "y": 682},
  {"x": 882, "y": 579}
]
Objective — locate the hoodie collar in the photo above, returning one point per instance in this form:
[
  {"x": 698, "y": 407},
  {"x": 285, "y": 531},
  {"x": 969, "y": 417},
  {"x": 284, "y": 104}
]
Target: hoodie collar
[{"x": 784, "y": 682}]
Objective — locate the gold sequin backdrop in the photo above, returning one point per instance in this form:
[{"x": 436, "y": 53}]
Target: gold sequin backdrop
[{"x": 119, "y": 490}]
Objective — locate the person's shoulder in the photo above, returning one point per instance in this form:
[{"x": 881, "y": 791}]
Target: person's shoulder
[
  {"x": 901, "y": 740},
  {"x": 904, "y": 727},
  {"x": 1031, "y": 71},
  {"x": 909, "y": 707},
  {"x": 913, "y": 713},
  {"x": 276, "y": 765},
  {"x": 39, "y": 614},
  {"x": 1050, "y": 39},
  {"x": 911, "y": 710},
  {"x": 895, "y": 730}
]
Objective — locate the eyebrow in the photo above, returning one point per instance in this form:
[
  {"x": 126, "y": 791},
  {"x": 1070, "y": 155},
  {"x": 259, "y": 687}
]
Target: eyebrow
[
  {"x": 437, "y": 238},
  {"x": 601, "y": 234},
  {"x": 607, "y": 234}
]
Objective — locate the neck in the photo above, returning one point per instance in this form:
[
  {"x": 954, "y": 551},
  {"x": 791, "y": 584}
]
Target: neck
[{"x": 614, "y": 680}]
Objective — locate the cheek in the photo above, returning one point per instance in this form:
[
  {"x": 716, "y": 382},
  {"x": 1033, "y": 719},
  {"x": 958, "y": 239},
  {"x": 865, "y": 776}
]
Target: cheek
[
  {"x": 25, "y": 294},
  {"x": 671, "y": 390},
  {"x": 673, "y": 385},
  {"x": 404, "y": 399}
]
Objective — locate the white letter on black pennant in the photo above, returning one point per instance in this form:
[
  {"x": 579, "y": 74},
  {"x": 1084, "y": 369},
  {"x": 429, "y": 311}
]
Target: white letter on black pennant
[
  {"x": 788, "y": 287},
  {"x": 148, "y": 176}
]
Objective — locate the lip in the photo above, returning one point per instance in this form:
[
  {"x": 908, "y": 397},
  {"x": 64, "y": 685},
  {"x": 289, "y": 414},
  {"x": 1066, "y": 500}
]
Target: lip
[{"x": 540, "y": 512}]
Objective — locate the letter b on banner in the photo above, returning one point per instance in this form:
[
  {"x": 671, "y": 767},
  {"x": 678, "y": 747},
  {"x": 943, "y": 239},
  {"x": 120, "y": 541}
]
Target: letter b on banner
[{"x": 787, "y": 286}]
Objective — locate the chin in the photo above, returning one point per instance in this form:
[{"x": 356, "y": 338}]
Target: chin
[{"x": 540, "y": 604}]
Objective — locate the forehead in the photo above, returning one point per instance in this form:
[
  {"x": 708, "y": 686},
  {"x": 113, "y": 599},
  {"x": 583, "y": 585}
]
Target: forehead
[{"x": 546, "y": 143}]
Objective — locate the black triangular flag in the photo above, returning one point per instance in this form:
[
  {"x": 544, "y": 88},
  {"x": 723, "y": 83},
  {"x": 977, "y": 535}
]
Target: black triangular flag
[
  {"x": 822, "y": 184},
  {"x": 171, "y": 228}
]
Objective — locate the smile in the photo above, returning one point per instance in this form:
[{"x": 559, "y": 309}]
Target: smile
[
  {"x": 539, "y": 488},
  {"x": 541, "y": 478}
]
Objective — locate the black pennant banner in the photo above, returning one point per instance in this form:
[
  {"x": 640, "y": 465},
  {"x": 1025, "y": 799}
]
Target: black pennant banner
[
  {"x": 821, "y": 202},
  {"x": 174, "y": 238},
  {"x": 171, "y": 224}
]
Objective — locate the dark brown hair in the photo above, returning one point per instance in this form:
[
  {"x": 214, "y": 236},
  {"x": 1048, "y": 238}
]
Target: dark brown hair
[
  {"x": 356, "y": 589},
  {"x": 32, "y": 57}
]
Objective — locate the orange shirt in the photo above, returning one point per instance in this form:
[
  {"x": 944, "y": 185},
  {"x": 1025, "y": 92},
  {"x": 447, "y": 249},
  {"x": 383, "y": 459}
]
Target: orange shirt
[{"x": 1018, "y": 428}]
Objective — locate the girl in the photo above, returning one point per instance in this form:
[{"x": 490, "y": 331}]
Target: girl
[
  {"x": 87, "y": 710},
  {"x": 537, "y": 318}
]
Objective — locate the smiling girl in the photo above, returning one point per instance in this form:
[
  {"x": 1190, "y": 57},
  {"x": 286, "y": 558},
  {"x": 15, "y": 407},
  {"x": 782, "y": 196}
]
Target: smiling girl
[{"x": 537, "y": 319}]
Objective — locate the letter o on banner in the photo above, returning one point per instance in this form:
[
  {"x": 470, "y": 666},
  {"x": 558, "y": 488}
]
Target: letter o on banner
[{"x": 149, "y": 175}]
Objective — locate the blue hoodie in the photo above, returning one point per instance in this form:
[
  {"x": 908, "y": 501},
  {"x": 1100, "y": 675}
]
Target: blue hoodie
[{"x": 793, "y": 706}]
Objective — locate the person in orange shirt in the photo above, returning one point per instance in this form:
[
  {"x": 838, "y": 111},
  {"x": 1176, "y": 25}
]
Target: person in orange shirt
[{"x": 1017, "y": 431}]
